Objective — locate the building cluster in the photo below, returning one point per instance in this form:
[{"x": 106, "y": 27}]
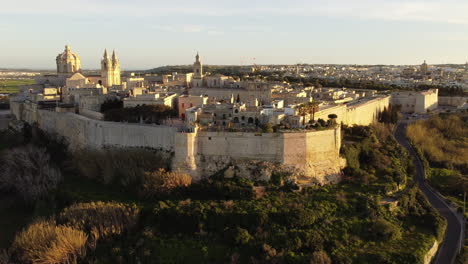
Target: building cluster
[
  {"x": 221, "y": 120},
  {"x": 400, "y": 75},
  {"x": 213, "y": 101}
]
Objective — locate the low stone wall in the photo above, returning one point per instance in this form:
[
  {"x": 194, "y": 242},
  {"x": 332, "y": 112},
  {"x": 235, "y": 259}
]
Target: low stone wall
[{"x": 431, "y": 253}]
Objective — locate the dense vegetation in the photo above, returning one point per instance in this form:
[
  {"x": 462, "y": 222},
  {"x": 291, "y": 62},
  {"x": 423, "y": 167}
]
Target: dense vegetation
[
  {"x": 145, "y": 113},
  {"x": 124, "y": 206},
  {"x": 442, "y": 143}
]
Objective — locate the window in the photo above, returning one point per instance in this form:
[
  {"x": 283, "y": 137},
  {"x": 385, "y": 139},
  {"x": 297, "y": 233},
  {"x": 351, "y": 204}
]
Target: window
[
  {"x": 236, "y": 111},
  {"x": 209, "y": 138},
  {"x": 243, "y": 118},
  {"x": 250, "y": 121},
  {"x": 191, "y": 105}
]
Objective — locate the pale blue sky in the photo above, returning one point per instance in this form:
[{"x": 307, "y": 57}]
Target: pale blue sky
[{"x": 148, "y": 33}]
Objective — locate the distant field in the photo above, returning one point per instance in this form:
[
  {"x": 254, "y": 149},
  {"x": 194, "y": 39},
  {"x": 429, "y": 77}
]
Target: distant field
[{"x": 11, "y": 86}]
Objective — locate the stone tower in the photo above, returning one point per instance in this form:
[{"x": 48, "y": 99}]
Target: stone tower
[
  {"x": 424, "y": 68},
  {"x": 197, "y": 79},
  {"x": 68, "y": 62},
  {"x": 110, "y": 70}
]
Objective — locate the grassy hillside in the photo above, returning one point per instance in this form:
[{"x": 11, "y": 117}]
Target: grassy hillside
[{"x": 132, "y": 211}]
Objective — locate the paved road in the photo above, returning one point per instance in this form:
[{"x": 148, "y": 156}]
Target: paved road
[{"x": 453, "y": 235}]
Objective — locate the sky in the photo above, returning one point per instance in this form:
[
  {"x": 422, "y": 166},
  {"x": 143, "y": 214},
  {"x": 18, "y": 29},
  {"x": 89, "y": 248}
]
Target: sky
[{"x": 152, "y": 33}]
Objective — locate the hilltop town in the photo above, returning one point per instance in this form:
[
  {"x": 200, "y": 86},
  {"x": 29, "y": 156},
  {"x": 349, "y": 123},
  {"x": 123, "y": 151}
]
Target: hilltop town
[{"x": 210, "y": 122}]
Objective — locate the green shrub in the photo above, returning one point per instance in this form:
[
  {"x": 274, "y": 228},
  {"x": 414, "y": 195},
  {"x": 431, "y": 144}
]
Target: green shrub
[
  {"x": 123, "y": 167},
  {"x": 242, "y": 236},
  {"x": 44, "y": 242},
  {"x": 386, "y": 230}
]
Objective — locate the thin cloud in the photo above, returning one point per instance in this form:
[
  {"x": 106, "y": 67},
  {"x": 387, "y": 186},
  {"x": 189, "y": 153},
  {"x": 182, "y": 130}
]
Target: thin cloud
[
  {"x": 442, "y": 11},
  {"x": 188, "y": 28}
]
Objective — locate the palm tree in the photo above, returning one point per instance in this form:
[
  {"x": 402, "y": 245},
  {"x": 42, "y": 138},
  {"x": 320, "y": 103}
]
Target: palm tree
[
  {"x": 313, "y": 108},
  {"x": 303, "y": 111}
]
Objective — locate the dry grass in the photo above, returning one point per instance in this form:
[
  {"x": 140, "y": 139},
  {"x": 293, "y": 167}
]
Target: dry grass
[
  {"x": 44, "y": 242},
  {"x": 162, "y": 181},
  {"x": 100, "y": 219},
  {"x": 441, "y": 140}
]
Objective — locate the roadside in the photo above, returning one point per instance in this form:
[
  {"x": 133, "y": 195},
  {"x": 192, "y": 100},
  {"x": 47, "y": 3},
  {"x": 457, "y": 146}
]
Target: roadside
[{"x": 450, "y": 246}]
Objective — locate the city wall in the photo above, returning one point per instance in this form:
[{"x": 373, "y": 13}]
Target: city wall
[
  {"x": 367, "y": 112},
  {"x": 456, "y": 101},
  {"x": 360, "y": 113},
  {"x": 314, "y": 154},
  {"x": 81, "y": 131}
]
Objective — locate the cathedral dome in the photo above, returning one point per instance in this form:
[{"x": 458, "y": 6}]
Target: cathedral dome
[{"x": 68, "y": 62}]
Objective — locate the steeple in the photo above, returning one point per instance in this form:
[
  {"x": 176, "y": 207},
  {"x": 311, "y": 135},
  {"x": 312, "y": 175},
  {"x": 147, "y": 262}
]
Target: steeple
[
  {"x": 114, "y": 56},
  {"x": 67, "y": 48},
  {"x": 197, "y": 58},
  {"x": 110, "y": 69},
  {"x": 106, "y": 56}
]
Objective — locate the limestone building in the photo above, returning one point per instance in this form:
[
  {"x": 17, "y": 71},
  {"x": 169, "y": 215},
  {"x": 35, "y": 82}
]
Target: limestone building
[
  {"x": 416, "y": 102},
  {"x": 197, "y": 78},
  {"x": 110, "y": 70},
  {"x": 68, "y": 62}
]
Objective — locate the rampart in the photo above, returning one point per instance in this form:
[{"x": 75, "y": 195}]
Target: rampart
[
  {"x": 315, "y": 154},
  {"x": 81, "y": 131}
]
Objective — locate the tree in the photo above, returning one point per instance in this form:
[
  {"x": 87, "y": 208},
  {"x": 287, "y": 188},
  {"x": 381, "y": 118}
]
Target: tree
[
  {"x": 267, "y": 128},
  {"x": 109, "y": 104}
]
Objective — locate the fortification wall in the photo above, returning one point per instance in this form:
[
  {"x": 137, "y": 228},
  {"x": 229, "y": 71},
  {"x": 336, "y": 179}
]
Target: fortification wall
[
  {"x": 81, "y": 131},
  {"x": 361, "y": 113},
  {"x": 314, "y": 155},
  {"x": 338, "y": 110},
  {"x": 456, "y": 101},
  {"x": 366, "y": 113}
]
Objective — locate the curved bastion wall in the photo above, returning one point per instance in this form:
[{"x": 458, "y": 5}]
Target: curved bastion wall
[{"x": 312, "y": 155}]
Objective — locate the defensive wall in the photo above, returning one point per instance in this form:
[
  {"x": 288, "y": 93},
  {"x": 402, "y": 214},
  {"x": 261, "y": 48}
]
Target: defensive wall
[
  {"x": 81, "y": 131},
  {"x": 456, "y": 101},
  {"x": 362, "y": 112},
  {"x": 314, "y": 153}
]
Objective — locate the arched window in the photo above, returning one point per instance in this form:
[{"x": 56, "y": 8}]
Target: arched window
[
  {"x": 250, "y": 121},
  {"x": 243, "y": 118},
  {"x": 236, "y": 120},
  {"x": 224, "y": 116},
  {"x": 236, "y": 111}
]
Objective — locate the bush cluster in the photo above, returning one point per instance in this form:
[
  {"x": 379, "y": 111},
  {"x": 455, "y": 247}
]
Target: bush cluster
[{"x": 46, "y": 243}]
